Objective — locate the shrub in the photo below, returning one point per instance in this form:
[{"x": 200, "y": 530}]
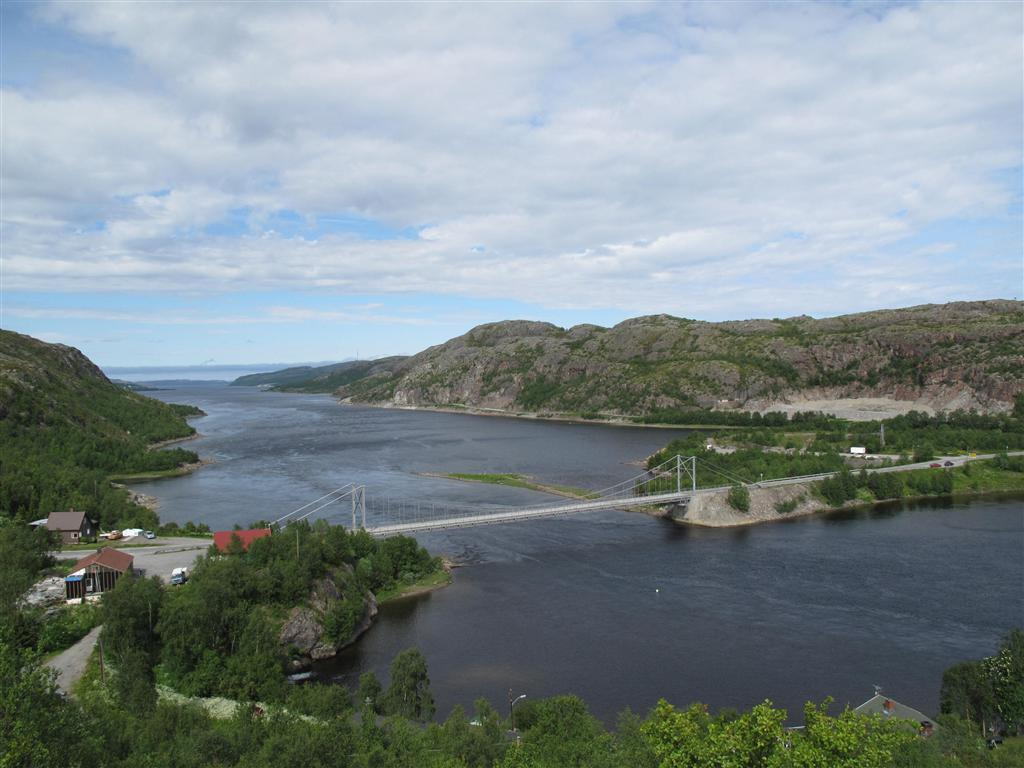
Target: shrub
[
  {"x": 739, "y": 498},
  {"x": 785, "y": 507}
]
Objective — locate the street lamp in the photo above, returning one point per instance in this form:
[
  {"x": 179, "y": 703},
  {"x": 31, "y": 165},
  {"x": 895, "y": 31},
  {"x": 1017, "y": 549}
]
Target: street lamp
[{"x": 511, "y": 708}]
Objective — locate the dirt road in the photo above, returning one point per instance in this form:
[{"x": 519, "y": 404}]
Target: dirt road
[{"x": 70, "y": 664}]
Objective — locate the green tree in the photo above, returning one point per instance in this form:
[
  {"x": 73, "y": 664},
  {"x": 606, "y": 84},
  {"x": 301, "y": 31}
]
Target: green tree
[
  {"x": 1005, "y": 672},
  {"x": 38, "y": 726},
  {"x": 409, "y": 693},
  {"x": 967, "y": 692},
  {"x": 134, "y": 682},
  {"x": 849, "y": 740},
  {"x": 563, "y": 733},
  {"x": 131, "y": 612},
  {"x": 368, "y": 693},
  {"x": 24, "y": 553}
]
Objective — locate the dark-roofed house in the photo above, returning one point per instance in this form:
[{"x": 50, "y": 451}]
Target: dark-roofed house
[
  {"x": 887, "y": 707},
  {"x": 222, "y": 539},
  {"x": 72, "y": 526},
  {"x": 96, "y": 573}
]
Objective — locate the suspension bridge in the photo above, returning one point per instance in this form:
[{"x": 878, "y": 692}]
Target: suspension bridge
[{"x": 671, "y": 482}]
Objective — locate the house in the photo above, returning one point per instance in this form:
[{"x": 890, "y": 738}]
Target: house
[
  {"x": 96, "y": 573},
  {"x": 887, "y": 707},
  {"x": 222, "y": 539},
  {"x": 72, "y": 526}
]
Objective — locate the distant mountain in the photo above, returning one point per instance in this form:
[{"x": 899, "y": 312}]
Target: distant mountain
[
  {"x": 324, "y": 378},
  {"x": 959, "y": 355},
  {"x": 65, "y": 428}
]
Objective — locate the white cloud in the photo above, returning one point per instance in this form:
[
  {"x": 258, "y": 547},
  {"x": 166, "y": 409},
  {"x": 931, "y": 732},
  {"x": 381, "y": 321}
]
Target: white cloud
[{"x": 639, "y": 157}]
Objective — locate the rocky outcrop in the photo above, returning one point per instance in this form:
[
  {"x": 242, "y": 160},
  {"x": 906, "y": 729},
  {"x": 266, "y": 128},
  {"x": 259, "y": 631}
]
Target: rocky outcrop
[
  {"x": 303, "y": 636},
  {"x": 713, "y": 510},
  {"x": 960, "y": 355}
]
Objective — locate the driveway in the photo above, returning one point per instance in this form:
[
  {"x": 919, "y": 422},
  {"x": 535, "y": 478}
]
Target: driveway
[{"x": 70, "y": 663}]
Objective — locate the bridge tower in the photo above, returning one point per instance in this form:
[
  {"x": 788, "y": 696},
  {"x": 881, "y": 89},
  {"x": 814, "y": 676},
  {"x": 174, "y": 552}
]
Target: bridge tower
[
  {"x": 358, "y": 503},
  {"x": 689, "y": 466}
]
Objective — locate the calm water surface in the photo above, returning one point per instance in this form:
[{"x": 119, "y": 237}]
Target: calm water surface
[{"x": 620, "y": 608}]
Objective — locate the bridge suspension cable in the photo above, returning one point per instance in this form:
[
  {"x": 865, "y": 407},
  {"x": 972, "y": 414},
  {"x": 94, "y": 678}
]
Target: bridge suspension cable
[{"x": 336, "y": 495}]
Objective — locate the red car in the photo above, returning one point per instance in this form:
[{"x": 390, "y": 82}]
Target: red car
[{"x": 935, "y": 464}]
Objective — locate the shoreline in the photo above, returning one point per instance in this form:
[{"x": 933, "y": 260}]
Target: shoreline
[
  {"x": 664, "y": 513},
  {"x": 418, "y": 589},
  {"x": 621, "y": 421},
  {"x": 145, "y": 500}
]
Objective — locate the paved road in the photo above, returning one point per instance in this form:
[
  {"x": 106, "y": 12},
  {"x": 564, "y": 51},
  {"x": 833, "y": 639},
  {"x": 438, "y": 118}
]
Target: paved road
[
  {"x": 70, "y": 664},
  {"x": 160, "y": 560},
  {"x": 956, "y": 461}
]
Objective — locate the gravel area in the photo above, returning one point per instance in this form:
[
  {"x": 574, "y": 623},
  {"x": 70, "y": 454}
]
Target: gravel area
[
  {"x": 853, "y": 408},
  {"x": 159, "y": 559}
]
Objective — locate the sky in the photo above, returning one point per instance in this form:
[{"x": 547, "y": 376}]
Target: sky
[{"x": 202, "y": 183}]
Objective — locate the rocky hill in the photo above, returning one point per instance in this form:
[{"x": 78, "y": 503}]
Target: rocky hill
[
  {"x": 65, "y": 428},
  {"x": 959, "y": 355}
]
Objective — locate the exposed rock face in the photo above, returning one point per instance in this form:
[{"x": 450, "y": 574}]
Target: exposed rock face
[
  {"x": 303, "y": 630},
  {"x": 714, "y": 511},
  {"x": 305, "y": 633},
  {"x": 961, "y": 355}
]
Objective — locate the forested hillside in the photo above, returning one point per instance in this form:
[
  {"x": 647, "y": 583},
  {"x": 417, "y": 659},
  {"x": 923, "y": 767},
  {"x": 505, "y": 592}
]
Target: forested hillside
[
  {"x": 955, "y": 356},
  {"x": 65, "y": 429},
  {"x": 322, "y": 378}
]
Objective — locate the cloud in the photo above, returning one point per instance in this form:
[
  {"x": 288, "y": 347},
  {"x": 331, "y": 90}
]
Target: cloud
[
  {"x": 604, "y": 155},
  {"x": 351, "y": 313}
]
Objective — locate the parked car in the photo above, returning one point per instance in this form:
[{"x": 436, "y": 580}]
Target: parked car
[
  {"x": 149, "y": 534},
  {"x": 935, "y": 464},
  {"x": 948, "y": 464},
  {"x": 179, "y": 575}
]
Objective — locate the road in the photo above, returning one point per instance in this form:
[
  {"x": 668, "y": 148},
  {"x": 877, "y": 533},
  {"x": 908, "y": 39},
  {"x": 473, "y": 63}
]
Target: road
[
  {"x": 168, "y": 554},
  {"x": 956, "y": 461},
  {"x": 70, "y": 663}
]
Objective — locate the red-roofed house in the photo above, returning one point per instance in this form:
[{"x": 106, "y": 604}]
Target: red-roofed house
[
  {"x": 96, "y": 573},
  {"x": 222, "y": 539}
]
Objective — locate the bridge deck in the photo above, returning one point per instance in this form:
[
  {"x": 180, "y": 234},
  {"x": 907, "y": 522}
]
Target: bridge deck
[{"x": 532, "y": 514}]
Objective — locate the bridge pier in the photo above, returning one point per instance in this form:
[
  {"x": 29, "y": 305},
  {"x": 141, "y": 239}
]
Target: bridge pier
[{"x": 678, "y": 510}]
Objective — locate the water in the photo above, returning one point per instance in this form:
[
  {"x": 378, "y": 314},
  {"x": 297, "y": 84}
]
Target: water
[
  {"x": 621, "y": 608},
  {"x": 274, "y": 452}
]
